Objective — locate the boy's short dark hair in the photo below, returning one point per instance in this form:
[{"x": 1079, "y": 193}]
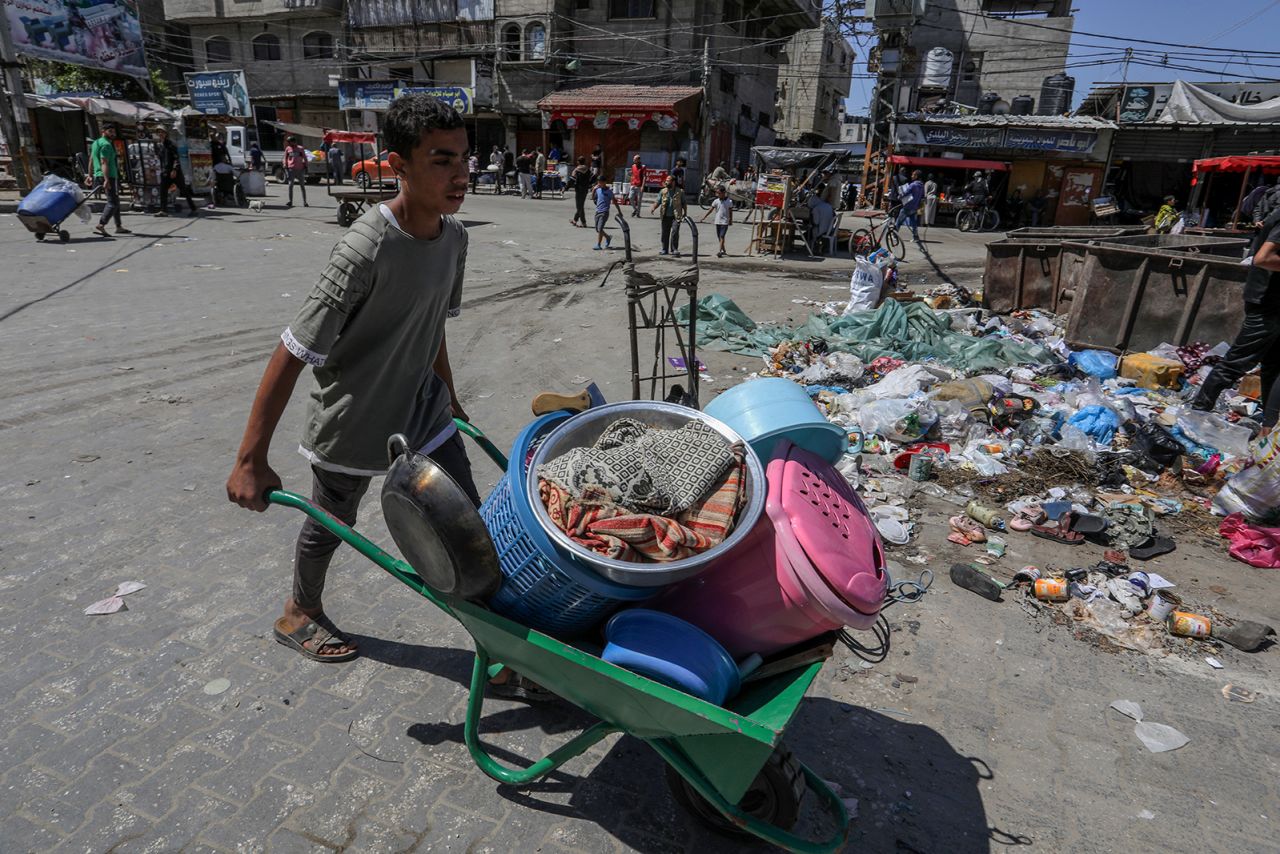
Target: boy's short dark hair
[
  {"x": 410, "y": 116},
  {"x": 601, "y": 179}
]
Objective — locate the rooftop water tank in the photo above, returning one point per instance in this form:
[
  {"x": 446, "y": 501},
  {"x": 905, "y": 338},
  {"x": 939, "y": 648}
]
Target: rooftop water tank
[
  {"x": 987, "y": 103},
  {"x": 1056, "y": 94},
  {"x": 1023, "y": 105},
  {"x": 937, "y": 69}
]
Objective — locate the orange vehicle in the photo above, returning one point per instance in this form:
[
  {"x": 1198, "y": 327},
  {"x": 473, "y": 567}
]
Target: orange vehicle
[{"x": 371, "y": 171}]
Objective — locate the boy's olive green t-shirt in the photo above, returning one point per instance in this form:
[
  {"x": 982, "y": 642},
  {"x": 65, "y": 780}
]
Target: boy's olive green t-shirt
[{"x": 371, "y": 329}]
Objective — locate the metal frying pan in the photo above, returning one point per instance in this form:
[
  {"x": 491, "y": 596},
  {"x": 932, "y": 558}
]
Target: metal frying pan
[{"x": 436, "y": 527}]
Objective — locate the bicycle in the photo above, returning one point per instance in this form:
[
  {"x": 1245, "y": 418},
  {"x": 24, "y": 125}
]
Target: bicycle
[
  {"x": 866, "y": 240},
  {"x": 978, "y": 217}
]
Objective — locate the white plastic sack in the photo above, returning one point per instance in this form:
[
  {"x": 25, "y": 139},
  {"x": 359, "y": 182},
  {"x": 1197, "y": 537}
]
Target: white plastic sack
[
  {"x": 899, "y": 419},
  {"x": 1255, "y": 490},
  {"x": 905, "y": 381},
  {"x": 864, "y": 287}
]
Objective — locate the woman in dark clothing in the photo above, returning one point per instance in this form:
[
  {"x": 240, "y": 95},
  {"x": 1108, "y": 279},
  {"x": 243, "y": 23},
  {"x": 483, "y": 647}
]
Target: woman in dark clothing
[{"x": 582, "y": 182}]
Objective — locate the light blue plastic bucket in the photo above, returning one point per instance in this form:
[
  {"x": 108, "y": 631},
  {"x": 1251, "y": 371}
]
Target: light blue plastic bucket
[{"x": 769, "y": 409}]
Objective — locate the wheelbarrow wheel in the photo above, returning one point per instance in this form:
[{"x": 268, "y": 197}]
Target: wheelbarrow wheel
[
  {"x": 346, "y": 214},
  {"x": 39, "y": 235},
  {"x": 774, "y": 796},
  {"x": 64, "y": 236}
]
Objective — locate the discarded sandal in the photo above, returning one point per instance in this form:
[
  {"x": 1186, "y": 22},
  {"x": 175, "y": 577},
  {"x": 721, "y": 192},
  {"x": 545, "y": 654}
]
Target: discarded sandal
[
  {"x": 963, "y": 575},
  {"x": 1153, "y": 547},
  {"x": 1087, "y": 523},
  {"x": 1061, "y": 532},
  {"x": 968, "y": 528}
]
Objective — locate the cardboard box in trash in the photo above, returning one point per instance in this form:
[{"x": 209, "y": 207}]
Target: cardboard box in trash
[
  {"x": 1151, "y": 371},
  {"x": 1251, "y": 386}
]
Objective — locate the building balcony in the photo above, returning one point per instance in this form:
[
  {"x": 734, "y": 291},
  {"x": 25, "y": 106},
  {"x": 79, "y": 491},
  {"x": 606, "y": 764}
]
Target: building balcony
[
  {"x": 790, "y": 16},
  {"x": 211, "y": 11}
]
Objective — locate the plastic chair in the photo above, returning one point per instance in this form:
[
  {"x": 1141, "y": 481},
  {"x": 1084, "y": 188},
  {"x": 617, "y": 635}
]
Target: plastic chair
[{"x": 831, "y": 235}]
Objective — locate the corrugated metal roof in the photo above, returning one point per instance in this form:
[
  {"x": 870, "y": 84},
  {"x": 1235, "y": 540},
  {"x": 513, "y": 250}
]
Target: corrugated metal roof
[
  {"x": 619, "y": 97},
  {"x": 1051, "y": 122}
]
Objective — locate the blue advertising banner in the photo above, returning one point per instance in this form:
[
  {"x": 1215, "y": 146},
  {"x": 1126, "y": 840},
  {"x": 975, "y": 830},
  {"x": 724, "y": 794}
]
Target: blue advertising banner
[
  {"x": 366, "y": 94},
  {"x": 458, "y": 97},
  {"x": 98, "y": 33},
  {"x": 219, "y": 93}
]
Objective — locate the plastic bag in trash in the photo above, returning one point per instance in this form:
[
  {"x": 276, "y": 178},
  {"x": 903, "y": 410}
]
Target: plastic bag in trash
[
  {"x": 1095, "y": 363},
  {"x": 864, "y": 286},
  {"x": 1213, "y": 431},
  {"x": 1255, "y": 490},
  {"x": 904, "y": 419},
  {"x": 1157, "y": 443},
  {"x": 1097, "y": 422}
]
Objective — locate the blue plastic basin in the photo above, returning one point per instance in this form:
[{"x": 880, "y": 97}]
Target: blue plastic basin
[
  {"x": 766, "y": 410},
  {"x": 666, "y": 649}
]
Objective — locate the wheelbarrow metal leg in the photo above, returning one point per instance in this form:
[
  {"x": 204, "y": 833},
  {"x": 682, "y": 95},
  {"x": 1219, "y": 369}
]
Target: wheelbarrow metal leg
[
  {"x": 503, "y": 773},
  {"x": 774, "y": 835}
]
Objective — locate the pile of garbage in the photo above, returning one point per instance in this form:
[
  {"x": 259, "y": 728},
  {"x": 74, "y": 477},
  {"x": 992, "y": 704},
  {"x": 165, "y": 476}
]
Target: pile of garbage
[{"x": 1003, "y": 410}]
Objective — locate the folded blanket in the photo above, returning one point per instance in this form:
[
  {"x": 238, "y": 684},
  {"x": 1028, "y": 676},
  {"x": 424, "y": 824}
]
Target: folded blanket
[
  {"x": 642, "y": 469},
  {"x": 602, "y": 526}
]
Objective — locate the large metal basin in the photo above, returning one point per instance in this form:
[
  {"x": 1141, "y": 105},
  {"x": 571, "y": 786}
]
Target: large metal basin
[{"x": 582, "y": 430}]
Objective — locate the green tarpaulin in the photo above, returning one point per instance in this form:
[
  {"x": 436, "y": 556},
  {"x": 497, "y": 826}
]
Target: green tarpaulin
[{"x": 909, "y": 331}]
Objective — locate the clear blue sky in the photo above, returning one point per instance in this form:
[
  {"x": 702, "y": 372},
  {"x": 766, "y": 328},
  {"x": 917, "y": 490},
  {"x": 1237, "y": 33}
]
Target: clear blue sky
[{"x": 1235, "y": 24}]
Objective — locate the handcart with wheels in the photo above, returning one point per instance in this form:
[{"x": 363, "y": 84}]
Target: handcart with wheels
[
  {"x": 49, "y": 204},
  {"x": 726, "y": 764},
  {"x": 352, "y": 203}
]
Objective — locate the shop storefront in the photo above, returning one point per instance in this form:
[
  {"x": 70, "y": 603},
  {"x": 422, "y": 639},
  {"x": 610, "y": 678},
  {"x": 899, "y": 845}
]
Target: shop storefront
[
  {"x": 1057, "y": 159},
  {"x": 660, "y": 123}
]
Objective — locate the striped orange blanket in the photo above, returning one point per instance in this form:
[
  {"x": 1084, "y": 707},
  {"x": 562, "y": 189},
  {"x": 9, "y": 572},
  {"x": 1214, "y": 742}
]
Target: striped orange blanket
[{"x": 598, "y": 524}]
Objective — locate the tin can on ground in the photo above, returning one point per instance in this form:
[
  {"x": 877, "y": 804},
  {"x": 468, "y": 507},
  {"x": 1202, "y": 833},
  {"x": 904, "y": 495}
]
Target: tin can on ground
[
  {"x": 921, "y": 467},
  {"x": 1187, "y": 625},
  {"x": 1162, "y": 605},
  {"x": 1029, "y": 574},
  {"x": 1051, "y": 589}
]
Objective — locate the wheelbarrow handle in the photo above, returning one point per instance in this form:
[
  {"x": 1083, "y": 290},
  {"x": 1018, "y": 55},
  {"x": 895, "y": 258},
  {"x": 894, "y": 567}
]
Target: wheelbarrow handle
[
  {"x": 483, "y": 441},
  {"x": 360, "y": 543},
  {"x": 762, "y": 830}
]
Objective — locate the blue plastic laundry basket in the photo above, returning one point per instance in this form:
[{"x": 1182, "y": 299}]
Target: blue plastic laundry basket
[{"x": 542, "y": 588}]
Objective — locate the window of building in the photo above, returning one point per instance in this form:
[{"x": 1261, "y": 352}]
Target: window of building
[
  {"x": 728, "y": 82},
  {"x": 266, "y": 48},
  {"x": 582, "y": 5},
  {"x": 829, "y": 51},
  {"x": 630, "y": 9},
  {"x": 745, "y": 111},
  {"x": 764, "y": 119},
  {"x": 317, "y": 46},
  {"x": 511, "y": 43},
  {"x": 971, "y": 69},
  {"x": 217, "y": 49},
  {"x": 535, "y": 41}
]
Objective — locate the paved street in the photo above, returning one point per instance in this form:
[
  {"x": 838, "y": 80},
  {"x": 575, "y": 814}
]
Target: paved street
[{"x": 130, "y": 365}]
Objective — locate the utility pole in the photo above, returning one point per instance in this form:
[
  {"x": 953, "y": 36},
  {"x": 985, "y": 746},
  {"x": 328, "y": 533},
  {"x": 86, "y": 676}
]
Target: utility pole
[
  {"x": 705, "y": 117},
  {"x": 13, "y": 110}
]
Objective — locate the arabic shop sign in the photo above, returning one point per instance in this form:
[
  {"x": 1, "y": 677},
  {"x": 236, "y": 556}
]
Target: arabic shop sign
[
  {"x": 458, "y": 97},
  {"x": 605, "y": 119},
  {"x": 218, "y": 93},
  {"x": 1021, "y": 139},
  {"x": 102, "y": 34}
]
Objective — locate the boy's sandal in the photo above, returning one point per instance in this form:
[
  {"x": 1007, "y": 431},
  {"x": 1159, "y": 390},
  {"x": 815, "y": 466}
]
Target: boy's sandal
[
  {"x": 968, "y": 528},
  {"x": 323, "y": 633},
  {"x": 516, "y": 687}
]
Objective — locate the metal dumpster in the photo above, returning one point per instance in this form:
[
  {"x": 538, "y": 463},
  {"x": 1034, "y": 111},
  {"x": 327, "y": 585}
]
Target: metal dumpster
[
  {"x": 1031, "y": 272},
  {"x": 1022, "y": 269},
  {"x": 1134, "y": 297}
]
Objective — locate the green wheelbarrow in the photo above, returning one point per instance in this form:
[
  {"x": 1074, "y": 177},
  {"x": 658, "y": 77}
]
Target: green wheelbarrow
[{"x": 725, "y": 764}]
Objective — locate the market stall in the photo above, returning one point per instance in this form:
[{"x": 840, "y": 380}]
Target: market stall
[{"x": 1210, "y": 201}]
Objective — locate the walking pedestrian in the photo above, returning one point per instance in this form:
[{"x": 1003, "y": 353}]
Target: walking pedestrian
[
  {"x": 603, "y": 196},
  {"x": 524, "y": 172},
  {"x": 722, "y": 207},
  {"x": 930, "y": 200},
  {"x": 912, "y": 196},
  {"x": 597, "y": 164},
  {"x": 336, "y": 162},
  {"x": 582, "y": 182},
  {"x": 473, "y": 167},
  {"x": 539, "y": 170},
  {"x": 106, "y": 173},
  {"x": 295, "y": 169},
  {"x": 371, "y": 330},
  {"x": 679, "y": 172},
  {"x": 1258, "y": 342},
  {"x": 508, "y": 166},
  {"x": 257, "y": 162},
  {"x": 171, "y": 173},
  {"x": 671, "y": 203},
  {"x": 495, "y": 160},
  {"x": 637, "y": 186}
]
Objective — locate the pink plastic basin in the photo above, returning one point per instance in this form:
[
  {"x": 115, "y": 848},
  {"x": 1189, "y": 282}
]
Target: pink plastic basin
[{"x": 812, "y": 565}]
